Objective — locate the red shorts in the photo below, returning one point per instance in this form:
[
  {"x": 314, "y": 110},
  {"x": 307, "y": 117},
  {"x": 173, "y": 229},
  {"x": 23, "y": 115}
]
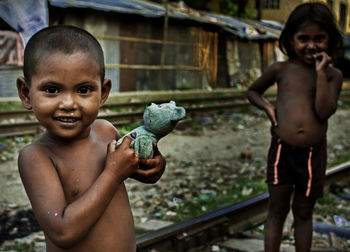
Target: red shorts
[{"x": 305, "y": 168}]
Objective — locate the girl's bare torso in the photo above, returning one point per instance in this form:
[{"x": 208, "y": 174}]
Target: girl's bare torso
[{"x": 297, "y": 122}]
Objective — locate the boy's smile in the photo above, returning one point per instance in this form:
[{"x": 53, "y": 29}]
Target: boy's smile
[
  {"x": 309, "y": 40},
  {"x": 66, "y": 93}
]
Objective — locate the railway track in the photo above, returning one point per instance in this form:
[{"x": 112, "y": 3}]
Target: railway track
[
  {"x": 23, "y": 122},
  {"x": 224, "y": 220},
  {"x": 198, "y": 233}
]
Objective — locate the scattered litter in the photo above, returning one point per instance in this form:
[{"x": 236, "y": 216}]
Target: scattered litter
[
  {"x": 247, "y": 191},
  {"x": 158, "y": 215},
  {"x": 171, "y": 213},
  {"x": 238, "y": 85},
  {"x": 245, "y": 155},
  {"x": 232, "y": 115},
  {"x": 341, "y": 221},
  {"x": 177, "y": 200},
  {"x": 240, "y": 126},
  {"x": 215, "y": 248},
  {"x": 204, "y": 120}
]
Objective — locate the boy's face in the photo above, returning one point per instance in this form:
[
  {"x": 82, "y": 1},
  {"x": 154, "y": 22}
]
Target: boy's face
[
  {"x": 309, "y": 40},
  {"x": 66, "y": 93}
]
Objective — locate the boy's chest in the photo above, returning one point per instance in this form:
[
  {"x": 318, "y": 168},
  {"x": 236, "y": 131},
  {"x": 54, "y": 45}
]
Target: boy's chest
[{"x": 79, "y": 169}]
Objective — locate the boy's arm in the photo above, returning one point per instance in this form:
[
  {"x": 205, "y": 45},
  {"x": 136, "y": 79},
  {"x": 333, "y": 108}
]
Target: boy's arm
[
  {"x": 328, "y": 86},
  {"x": 256, "y": 90},
  {"x": 67, "y": 223}
]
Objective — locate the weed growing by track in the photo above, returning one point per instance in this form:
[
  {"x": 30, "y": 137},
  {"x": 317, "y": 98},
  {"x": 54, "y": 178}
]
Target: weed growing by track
[
  {"x": 240, "y": 189},
  {"x": 8, "y": 106}
]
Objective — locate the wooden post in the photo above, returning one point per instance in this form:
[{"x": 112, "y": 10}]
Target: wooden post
[
  {"x": 259, "y": 7},
  {"x": 162, "y": 53},
  {"x": 165, "y": 33}
]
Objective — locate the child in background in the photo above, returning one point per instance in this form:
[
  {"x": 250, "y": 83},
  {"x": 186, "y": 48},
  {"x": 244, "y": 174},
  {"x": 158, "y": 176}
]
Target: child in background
[
  {"x": 308, "y": 90},
  {"x": 73, "y": 175}
]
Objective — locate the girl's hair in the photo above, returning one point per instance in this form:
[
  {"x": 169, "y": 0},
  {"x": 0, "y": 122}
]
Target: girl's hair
[
  {"x": 61, "y": 38},
  {"x": 309, "y": 13}
]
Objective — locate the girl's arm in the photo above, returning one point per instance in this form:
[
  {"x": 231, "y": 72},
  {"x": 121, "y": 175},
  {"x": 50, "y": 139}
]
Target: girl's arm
[
  {"x": 328, "y": 86},
  {"x": 256, "y": 90}
]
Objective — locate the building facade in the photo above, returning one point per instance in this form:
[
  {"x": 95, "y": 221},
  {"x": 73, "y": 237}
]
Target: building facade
[{"x": 279, "y": 10}]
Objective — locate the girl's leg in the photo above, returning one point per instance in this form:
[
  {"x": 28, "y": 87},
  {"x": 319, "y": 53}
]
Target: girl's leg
[
  {"x": 302, "y": 210},
  {"x": 279, "y": 204}
]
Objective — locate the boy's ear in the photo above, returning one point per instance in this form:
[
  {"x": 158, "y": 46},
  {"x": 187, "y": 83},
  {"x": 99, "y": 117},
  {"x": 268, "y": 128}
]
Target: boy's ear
[
  {"x": 106, "y": 89},
  {"x": 23, "y": 92}
]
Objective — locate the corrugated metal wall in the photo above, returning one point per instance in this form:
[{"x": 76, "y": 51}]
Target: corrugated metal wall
[{"x": 133, "y": 48}]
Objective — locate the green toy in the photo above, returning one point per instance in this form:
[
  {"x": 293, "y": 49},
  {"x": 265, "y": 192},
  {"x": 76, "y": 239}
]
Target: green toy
[{"x": 159, "y": 120}]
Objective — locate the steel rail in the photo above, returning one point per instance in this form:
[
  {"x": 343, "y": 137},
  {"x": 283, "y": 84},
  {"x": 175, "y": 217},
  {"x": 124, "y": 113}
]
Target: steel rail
[
  {"x": 117, "y": 119},
  {"x": 31, "y": 126},
  {"x": 220, "y": 222},
  {"x": 22, "y": 113}
]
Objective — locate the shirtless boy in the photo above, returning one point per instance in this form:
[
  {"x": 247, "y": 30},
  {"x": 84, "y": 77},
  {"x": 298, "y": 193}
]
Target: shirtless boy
[
  {"x": 308, "y": 90},
  {"x": 72, "y": 174}
]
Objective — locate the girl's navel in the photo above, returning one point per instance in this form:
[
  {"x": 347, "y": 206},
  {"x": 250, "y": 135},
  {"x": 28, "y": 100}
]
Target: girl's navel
[{"x": 300, "y": 131}]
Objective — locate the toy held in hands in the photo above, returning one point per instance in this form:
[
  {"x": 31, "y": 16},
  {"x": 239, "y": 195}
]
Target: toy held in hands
[{"x": 159, "y": 120}]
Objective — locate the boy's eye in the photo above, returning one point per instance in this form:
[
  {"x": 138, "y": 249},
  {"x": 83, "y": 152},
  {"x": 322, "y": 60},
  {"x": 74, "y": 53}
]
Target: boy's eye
[
  {"x": 84, "y": 90},
  {"x": 51, "y": 90}
]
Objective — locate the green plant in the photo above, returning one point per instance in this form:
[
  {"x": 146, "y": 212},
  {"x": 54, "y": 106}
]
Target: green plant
[
  {"x": 240, "y": 189},
  {"x": 323, "y": 207},
  {"x": 123, "y": 130},
  {"x": 6, "y": 106},
  {"x": 340, "y": 157}
]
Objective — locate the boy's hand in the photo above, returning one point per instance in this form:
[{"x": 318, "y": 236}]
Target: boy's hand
[
  {"x": 322, "y": 61},
  {"x": 122, "y": 161},
  {"x": 153, "y": 168}
]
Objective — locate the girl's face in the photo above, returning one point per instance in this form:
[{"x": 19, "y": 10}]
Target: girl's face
[{"x": 309, "y": 40}]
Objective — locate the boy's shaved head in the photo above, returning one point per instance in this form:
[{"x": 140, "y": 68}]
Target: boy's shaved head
[{"x": 62, "y": 38}]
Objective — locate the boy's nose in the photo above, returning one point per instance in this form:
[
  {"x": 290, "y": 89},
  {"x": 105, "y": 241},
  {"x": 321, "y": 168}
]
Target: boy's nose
[{"x": 67, "y": 102}]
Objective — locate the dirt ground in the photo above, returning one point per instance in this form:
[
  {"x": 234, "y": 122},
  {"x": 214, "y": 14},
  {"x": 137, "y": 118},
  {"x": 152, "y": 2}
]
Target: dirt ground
[
  {"x": 227, "y": 140},
  {"x": 223, "y": 139},
  {"x": 236, "y": 143}
]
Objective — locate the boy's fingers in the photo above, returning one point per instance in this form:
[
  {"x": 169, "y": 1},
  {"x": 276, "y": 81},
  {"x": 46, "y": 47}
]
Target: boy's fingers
[
  {"x": 146, "y": 176},
  {"x": 155, "y": 149},
  {"x": 126, "y": 141},
  {"x": 111, "y": 146},
  {"x": 148, "y": 162}
]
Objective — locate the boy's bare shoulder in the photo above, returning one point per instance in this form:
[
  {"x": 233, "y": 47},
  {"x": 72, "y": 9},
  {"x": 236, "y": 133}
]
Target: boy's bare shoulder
[
  {"x": 36, "y": 147},
  {"x": 33, "y": 154},
  {"x": 41, "y": 151},
  {"x": 105, "y": 128}
]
